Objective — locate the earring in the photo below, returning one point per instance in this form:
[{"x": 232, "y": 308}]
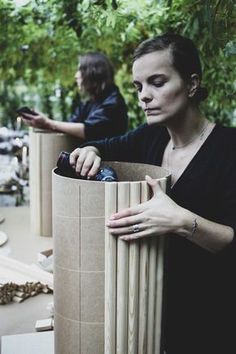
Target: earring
[{"x": 192, "y": 93}]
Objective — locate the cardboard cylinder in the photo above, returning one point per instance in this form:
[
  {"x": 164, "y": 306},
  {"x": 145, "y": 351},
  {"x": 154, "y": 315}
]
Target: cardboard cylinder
[
  {"x": 44, "y": 149},
  {"x": 106, "y": 291}
]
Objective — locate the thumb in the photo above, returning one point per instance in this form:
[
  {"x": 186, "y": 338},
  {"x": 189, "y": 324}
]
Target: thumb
[{"x": 154, "y": 184}]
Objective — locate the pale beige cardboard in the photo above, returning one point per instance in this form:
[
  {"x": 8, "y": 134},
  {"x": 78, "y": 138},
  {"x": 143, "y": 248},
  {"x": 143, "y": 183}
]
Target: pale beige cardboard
[
  {"x": 96, "y": 310},
  {"x": 44, "y": 150}
]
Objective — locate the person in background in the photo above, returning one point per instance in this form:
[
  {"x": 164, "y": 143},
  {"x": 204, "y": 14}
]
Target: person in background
[
  {"x": 198, "y": 217},
  {"x": 104, "y": 114}
]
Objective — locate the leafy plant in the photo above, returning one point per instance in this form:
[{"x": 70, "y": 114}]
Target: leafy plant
[{"x": 41, "y": 41}]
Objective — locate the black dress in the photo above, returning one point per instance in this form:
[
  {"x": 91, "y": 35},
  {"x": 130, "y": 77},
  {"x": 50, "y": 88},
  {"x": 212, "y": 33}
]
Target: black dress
[{"x": 199, "y": 312}]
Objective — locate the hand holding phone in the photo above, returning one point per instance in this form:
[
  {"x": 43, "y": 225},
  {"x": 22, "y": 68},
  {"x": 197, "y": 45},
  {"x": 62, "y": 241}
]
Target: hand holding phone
[{"x": 27, "y": 110}]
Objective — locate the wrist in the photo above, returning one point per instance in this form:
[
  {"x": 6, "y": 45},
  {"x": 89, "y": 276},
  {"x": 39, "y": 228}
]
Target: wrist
[
  {"x": 94, "y": 149},
  {"x": 188, "y": 224},
  {"x": 52, "y": 124}
]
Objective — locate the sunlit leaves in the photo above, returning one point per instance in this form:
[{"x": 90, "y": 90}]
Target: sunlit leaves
[{"x": 40, "y": 43}]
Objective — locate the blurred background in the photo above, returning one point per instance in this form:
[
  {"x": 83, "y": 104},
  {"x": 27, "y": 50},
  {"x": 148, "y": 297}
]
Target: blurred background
[{"x": 40, "y": 42}]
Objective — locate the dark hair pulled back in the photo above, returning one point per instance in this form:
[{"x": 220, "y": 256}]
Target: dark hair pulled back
[{"x": 184, "y": 55}]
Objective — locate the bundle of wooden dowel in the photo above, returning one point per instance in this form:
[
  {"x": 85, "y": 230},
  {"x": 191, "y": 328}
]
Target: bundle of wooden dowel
[{"x": 12, "y": 292}]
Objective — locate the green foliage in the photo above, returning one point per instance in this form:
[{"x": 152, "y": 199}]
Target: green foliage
[{"x": 40, "y": 43}]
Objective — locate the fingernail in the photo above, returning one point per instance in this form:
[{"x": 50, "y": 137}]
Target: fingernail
[{"x": 112, "y": 217}]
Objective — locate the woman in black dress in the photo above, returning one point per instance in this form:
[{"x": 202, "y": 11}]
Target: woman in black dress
[{"x": 198, "y": 218}]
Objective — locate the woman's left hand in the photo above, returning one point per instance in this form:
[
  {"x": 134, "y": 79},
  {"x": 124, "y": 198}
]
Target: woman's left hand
[
  {"x": 158, "y": 216},
  {"x": 38, "y": 120}
]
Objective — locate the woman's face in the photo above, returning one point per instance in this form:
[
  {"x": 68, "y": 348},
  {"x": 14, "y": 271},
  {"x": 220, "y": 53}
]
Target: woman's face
[
  {"x": 78, "y": 78},
  {"x": 162, "y": 92}
]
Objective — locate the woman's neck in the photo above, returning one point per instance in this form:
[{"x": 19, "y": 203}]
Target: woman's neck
[{"x": 186, "y": 129}]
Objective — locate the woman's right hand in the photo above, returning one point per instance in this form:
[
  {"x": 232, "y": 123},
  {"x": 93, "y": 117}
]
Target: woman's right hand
[{"x": 86, "y": 161}]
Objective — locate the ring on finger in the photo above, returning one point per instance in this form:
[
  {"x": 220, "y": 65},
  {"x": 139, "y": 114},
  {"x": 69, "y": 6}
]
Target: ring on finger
[{"x": 135, "y": 228}]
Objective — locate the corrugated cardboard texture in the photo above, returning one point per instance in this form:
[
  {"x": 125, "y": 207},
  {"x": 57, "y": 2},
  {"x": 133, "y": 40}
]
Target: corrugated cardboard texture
[{"x": 99, "y": 281}]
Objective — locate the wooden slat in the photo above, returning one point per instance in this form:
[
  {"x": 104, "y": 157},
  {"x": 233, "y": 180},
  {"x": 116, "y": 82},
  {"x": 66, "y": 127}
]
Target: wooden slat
[
  {"x": 143, "y": 283},
  {"x": 151, "y": 293},
  {"x": 122, "y": 278},
  {"x": 159, "y": 295},
  {"x": 135, "y": 198},
  {"x": 110, "y": 271}
]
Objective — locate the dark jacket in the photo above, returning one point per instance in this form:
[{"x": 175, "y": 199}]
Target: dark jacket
[{"x": 104, "y": 117}]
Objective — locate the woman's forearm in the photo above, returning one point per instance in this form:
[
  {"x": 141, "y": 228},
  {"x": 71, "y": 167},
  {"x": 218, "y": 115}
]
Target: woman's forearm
[
  {"x": 162, "y": 216},
  {"x": 209, "y": 235},
  {"x": 75, "y": 129}
]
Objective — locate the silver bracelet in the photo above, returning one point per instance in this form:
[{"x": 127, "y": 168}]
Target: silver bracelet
[{"x": 194, "y": 227}]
